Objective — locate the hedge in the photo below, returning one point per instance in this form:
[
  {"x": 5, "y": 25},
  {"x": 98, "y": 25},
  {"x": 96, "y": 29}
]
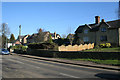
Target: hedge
[
  {"x": 75, "y": 54},
  {"x": 50, "y": 46}
]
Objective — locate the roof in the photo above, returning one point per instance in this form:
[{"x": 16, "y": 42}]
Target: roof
[
  {"x": 94, "y": 27},
  {"x": 53, "y": 35},
  {"x": 15, "y": 41},
  {"x": 36, "y": 34},
  {"x": 20, "y": 37}
]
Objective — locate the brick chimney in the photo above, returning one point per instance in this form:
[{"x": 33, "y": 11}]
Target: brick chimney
[
  {"x": 97, "y": 19},
  {"x": 103, "y": 20}
]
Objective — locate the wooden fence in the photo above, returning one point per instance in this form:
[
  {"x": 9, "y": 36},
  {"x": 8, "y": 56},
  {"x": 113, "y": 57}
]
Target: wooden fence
[{"x": 76, "y": 47}]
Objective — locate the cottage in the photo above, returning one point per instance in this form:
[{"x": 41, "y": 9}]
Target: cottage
[
  {"x": 55, "y": 36},
  {"x": 99, "y": 32}
]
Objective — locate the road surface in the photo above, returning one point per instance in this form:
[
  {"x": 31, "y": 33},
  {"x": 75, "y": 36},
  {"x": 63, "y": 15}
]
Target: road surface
[{"x": 21, "y": 67}]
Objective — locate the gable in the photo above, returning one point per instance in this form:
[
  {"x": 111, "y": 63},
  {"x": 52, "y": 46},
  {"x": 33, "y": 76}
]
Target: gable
[{"x": 82, "y": 28}]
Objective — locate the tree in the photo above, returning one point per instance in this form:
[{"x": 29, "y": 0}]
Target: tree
[
  {"x": 12, "y": 38},
  {"x": 4, "y": 41},
  {"x": 5, "y": 32},
  {"x": 70, "y": 37},
  {"x": 50, "y": 39},
  {"x": 77, "y": 40},
  {"x": 63, "y": 36}
]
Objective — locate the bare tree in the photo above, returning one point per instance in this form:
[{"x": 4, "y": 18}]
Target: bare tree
[
  {"x": 5, "y": 33},
  {"x": 63, "y": 36}
]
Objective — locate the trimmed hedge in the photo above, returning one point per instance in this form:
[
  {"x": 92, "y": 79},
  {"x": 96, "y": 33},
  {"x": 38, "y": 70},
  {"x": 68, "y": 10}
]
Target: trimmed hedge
[
  {"x": 20, "y": 51},
  {"x": 75, "y": 54},
  {"x": 50, "y": 46}
]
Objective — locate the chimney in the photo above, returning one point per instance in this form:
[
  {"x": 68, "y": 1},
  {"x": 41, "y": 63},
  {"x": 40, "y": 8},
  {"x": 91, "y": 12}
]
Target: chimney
[
  {"x": 103, "y": 20},
  {"x": 40, "y": 30},
  {"x": 19, "y": 30},
  {"x": 97, "y": 19},
  {"x": 54, "y": 35}
]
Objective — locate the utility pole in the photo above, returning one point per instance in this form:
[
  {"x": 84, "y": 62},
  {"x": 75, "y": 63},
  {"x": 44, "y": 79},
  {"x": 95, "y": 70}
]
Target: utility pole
[{"x": 19, "y": 32}]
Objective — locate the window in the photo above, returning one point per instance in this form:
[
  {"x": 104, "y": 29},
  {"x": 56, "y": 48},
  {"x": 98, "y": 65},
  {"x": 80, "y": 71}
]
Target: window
[
  {"x": 103, "y": 29},
  {"x": 103, "y": 38},
  {"x": 85, "y": 39},
  {"x": 86, "y": 31}
]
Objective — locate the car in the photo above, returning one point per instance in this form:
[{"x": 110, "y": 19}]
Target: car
[{"x": 4, "y": 51}]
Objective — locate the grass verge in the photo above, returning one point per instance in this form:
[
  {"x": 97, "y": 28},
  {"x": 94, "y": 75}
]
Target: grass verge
[
  {"x": 107, "y": 62},
  {"x": 117, "y": 49}
]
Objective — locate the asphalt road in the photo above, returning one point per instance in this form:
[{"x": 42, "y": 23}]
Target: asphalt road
[{"x": 21, "y": 67}]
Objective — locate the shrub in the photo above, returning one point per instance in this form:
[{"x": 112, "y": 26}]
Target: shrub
[
  {"x": 108, "y": 45},
  {"x": 24, "y": 48},
  {"x": 52, "y": 46},
  {"x": 97, "y": 46},
  {"x": 18, "y": 47},
  {"x": 102, "y": 45}
]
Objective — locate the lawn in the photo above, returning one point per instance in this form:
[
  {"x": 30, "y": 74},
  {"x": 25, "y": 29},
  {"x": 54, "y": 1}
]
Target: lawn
[
  {"x": 117, "y": 49},
  {"x": 108, "y": 62}
]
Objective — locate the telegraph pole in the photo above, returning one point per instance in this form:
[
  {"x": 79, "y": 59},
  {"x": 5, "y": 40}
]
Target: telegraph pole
[{"x": 19, "y": 32}]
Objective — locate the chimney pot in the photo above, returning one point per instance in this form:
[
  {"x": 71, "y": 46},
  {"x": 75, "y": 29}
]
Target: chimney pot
[
  {"x": 103, "y": 20},
  {"x": 97, "y": 19}
]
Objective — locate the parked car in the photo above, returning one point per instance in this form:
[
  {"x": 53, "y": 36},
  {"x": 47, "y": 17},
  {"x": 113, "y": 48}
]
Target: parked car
[{"x": 4, "y": 51}]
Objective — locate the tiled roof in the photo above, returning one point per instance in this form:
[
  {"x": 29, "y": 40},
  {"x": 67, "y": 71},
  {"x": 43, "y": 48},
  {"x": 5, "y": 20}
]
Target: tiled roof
[{"x": 95, "y": 27}]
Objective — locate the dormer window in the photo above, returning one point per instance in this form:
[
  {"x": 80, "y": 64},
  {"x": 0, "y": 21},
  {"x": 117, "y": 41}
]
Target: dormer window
[
  {"x": 103, "y": 29},
  {"x": 86, "y": 31}
]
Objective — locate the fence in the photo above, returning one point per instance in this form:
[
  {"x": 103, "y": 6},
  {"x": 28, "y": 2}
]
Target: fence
[{"x": 76, "y": 47}]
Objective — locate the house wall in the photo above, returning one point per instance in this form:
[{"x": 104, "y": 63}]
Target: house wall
[
  {"x": 111, "y": 34},
  {"x": 25, "y": 39},
  {"x": 90, "y": 35}
]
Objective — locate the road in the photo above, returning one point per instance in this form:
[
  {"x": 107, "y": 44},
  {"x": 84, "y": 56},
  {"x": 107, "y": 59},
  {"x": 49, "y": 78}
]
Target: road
[{"x": 22, "y": 67}]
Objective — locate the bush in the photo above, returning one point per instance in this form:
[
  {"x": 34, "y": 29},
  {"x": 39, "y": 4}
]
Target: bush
[
  {"x": 102, "y": 45},
  {"x": 51, "y": 46},
  {"x": 108, "y": 45},
  {"x": 24, "y": 48},
  {"x": 97, "y": 46},
  {"x": 18, "y": 47}
]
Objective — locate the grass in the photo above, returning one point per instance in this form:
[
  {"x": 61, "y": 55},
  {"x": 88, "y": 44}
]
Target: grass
[
  {"x": 108, "y": 62},
  {"x": 117, "y": 49}
]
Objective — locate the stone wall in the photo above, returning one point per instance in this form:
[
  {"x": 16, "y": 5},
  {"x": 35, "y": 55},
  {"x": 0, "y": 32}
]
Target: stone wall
[{"x": 76, "y": 47}]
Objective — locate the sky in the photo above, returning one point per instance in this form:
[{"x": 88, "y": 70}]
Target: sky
[
  {"x": 59, "y": 17},
  {"x": 60, "y": 0}
]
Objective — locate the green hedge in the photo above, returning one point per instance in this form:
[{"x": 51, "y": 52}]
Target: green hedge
[
  {"x": 63, "y": 54},
  {"x": 50, "y": 46}
]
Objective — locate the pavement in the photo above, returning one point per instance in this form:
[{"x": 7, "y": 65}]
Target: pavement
[{"x": 73, "y": 62}]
